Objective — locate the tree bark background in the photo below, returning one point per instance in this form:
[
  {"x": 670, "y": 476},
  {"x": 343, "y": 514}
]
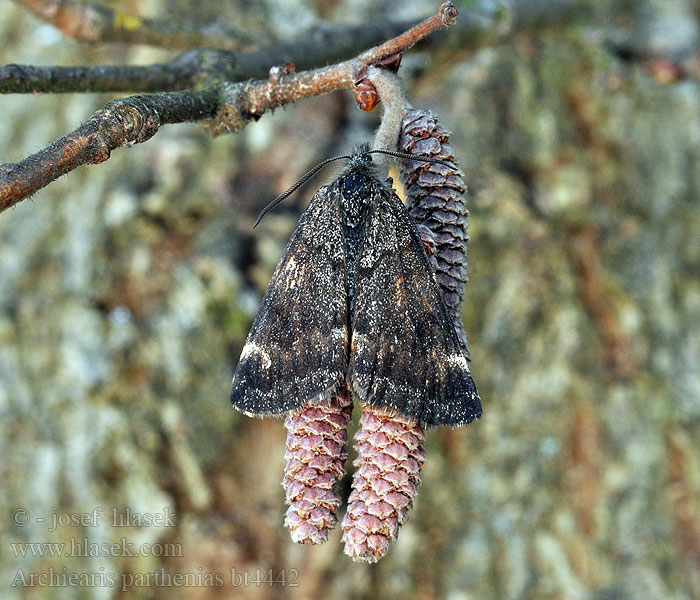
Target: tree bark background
[{"x": 127, "y": 290}]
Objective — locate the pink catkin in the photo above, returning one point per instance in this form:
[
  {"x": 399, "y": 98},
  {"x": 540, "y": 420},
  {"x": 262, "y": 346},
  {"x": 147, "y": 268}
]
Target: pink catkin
[
  {"x": 389, "y": 458},
  {"x": 315, "y": 455}
]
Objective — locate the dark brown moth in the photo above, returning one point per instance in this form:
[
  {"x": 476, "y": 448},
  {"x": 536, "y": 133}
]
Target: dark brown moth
[{"x": 354, "y": 301}]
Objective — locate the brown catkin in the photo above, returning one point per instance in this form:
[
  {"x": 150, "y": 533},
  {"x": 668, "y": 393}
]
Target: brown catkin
[
  {"x": 389, "y": 458},
  {"x": 435, "y": 198},
  {"x": 315, "y": 455}
]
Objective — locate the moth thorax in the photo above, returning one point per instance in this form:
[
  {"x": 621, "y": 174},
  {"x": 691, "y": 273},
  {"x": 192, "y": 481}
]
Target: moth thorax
[{"x": 355, "y": 193}]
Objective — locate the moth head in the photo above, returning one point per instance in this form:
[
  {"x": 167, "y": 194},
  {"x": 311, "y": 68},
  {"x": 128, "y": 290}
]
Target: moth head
[
  {"x": 358, "y": 175},
  {"x": 353, "y": 183},
  {"x": 354, "y": 179},
  {"x": 357, "y": 186}
]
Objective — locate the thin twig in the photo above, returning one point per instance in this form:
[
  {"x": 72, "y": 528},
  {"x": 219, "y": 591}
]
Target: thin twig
[
  {"x": 228, "y": 107},
  {"x": 91, "y": 22},
  {"x": 246, "y": 101}
]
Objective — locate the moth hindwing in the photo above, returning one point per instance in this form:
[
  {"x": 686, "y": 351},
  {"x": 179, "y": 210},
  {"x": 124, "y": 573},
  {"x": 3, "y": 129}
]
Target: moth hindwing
[{"x": 354, "y": 300}]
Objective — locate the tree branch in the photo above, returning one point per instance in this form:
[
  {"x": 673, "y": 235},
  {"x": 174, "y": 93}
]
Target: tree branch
[
  {"x": 122, "y": 122},
  {"x": 23, "y": 79},
  {"x": 89, "y": 22},
  {"x": 226, "y": 103},
  {"x": 321, "y": 45},
  {"x": 229, "y": 107},
  {"x": 245, "y": 101}
]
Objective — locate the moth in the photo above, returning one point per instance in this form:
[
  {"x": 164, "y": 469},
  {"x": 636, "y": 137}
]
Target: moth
[{"x": 353, "y": 301}]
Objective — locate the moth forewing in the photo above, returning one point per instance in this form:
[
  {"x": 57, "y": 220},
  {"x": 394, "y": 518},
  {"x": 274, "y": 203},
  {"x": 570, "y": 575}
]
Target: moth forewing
[
  {"x": 296, "y": 351},
  {"x": 405, "y": 354}
]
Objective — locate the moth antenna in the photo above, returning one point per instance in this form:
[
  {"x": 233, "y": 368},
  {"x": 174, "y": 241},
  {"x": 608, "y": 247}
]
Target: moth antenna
[
  {"x": 406, "y": 156},
  {"x": 295, "y": 187}
]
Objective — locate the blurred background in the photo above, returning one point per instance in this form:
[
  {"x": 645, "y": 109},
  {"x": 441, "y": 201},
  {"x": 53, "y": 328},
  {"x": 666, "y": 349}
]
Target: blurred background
[{"x": 127, "y": 290}]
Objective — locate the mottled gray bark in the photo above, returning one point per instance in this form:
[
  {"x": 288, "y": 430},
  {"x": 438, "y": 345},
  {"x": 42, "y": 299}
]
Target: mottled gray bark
[{"x": 126, "y": 292}]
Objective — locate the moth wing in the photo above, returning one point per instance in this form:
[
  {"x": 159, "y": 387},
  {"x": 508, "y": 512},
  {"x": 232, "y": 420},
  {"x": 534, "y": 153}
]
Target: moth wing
[
  {"x": 296, "y": 351},
  {"x": 404, "y": 352}
]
